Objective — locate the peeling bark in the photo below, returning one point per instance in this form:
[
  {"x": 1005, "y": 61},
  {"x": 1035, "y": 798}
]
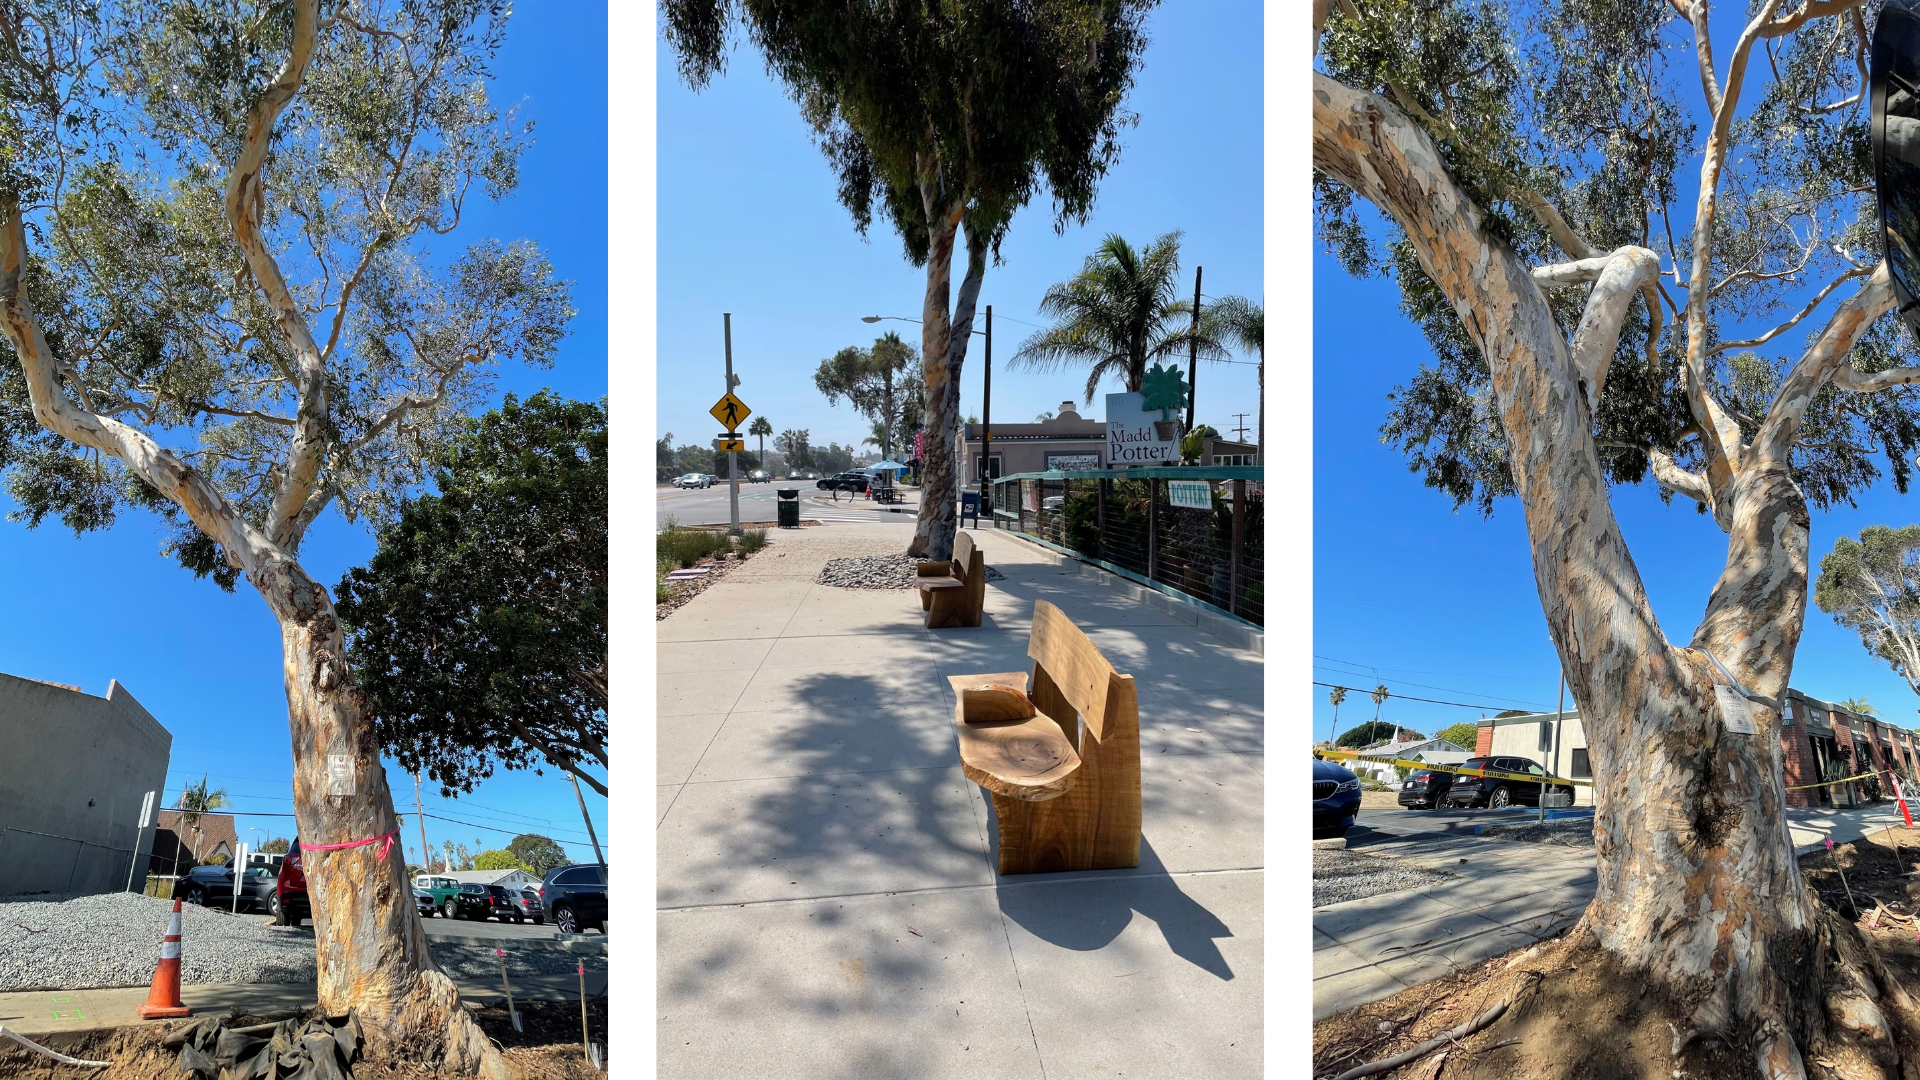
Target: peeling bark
[{"x": 1697, "y": 885}]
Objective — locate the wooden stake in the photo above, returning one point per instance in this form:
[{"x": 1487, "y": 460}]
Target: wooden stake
[
  {"x": 1831, "y": 857},
  {"x": 511, "y": 1011},
  {"x": 586, "y": 1046},
  {"x": 1897, "y": 860}
]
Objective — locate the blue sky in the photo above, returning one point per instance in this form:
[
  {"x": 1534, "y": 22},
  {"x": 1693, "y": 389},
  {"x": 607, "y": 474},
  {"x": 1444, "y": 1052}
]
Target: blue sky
[
  {"x": 755, "y": 229},
  {"x": 105, "y": 606},
  {"x": 1443, "y": 605}
]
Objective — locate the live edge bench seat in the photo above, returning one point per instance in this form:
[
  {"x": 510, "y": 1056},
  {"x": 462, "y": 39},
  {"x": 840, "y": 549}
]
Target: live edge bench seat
[
  {"x": 1065, "y": 782},
  {"x": 954, "y": 593}
]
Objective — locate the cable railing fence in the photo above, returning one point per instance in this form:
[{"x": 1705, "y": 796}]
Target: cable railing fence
[{"x": 1195, "y": 531}]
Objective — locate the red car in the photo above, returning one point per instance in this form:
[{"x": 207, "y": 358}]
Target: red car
[{"x": 290, "y": 891}]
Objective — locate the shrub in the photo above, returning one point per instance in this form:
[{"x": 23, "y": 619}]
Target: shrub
[{"x": 752, "y": 540}]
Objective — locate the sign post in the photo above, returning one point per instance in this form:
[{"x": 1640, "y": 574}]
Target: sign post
[
  {"x": 239, "y": 876},
  {"x": 146, "y": 819},
  {"x": 730, "y": 411}
]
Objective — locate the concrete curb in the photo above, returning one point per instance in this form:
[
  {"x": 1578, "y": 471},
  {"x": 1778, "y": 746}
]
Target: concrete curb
[
  {"x": 1236, "y": 634},
  {"x": 583, "y": 944}
]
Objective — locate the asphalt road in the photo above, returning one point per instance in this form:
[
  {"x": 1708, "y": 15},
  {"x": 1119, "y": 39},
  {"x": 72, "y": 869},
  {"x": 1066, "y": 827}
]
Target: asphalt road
[
  {"x": 1380, "y": 825},
  {"x": 440, "y": 926},
  {"x": 708, "y": 506}
]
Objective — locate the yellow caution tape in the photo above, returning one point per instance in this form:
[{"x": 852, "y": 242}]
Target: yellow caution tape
[
  {"x": 1350, "y": 755},
  {"x": 1830, "y": 783}
]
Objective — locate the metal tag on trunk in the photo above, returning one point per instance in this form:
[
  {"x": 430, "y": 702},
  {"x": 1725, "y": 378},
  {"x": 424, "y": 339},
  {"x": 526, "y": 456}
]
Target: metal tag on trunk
[
  {"x": 1733, "y": 710},
  {"x": 340, "y": 774}
]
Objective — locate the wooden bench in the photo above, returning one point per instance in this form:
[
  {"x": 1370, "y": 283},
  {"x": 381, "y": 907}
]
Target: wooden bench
[
  {"x": 1065, "y": 782},
  {"x": 953, "y": 593}
]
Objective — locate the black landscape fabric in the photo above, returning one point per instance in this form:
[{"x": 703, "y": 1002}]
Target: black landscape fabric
[{"x": 320, "y": 1049}]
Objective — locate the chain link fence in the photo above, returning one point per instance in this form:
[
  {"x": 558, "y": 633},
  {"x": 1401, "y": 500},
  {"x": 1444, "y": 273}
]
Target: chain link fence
[{"x": 1194, "y": 531}]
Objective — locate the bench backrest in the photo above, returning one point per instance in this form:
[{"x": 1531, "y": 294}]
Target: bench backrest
[
  {"x": 1102, "y": 696},
  {"x": 963, "y": 551}
]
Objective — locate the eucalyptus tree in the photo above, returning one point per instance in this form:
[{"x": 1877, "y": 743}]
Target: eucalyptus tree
[
  {"x": 947, "y": 118},
  {"x": 1872, "y": 587},
  {"x": 870, "y": 380},
  {"x": 1121, "y": 312},
  {"x": 225, "y": 297},
  {"x": 1527, "y": 162}
]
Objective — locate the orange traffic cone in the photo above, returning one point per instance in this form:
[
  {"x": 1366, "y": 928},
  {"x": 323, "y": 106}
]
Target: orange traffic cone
[{"x": 163, "y": 1000}]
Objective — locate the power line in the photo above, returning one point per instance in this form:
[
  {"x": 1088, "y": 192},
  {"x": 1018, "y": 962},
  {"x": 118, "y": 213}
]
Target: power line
[
  {"x": 1421, "y": 671},
  {"x": 1400, "y": 697},
  {"x": 1424, "y": 686}
]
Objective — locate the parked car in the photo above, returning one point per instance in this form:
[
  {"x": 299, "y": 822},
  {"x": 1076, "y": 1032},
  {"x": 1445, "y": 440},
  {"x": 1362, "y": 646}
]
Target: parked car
[
  {"x": 1498, "y": 792},
  {"x": 1336, "y": 799},
  {"x": 527, "y": 900},
  {"x": 1425, "y": 789},
  {"x": 473, "y": 901},
  {"x": 692, "y": 480},
  {"x": 290, "y": 890},
  {"x": 846, "y": 481},
  {"x": 440, "y": 891},
  {"x": 575, "y": 897},
  {"x": 212, "y": 886},
  {"x": 423, "y": 900}
]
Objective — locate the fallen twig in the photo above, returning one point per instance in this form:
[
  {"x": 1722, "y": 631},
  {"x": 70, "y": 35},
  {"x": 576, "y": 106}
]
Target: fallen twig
[
  {"x": 54, "y": 1054},
  {"x": 1425, "y": 1048}
]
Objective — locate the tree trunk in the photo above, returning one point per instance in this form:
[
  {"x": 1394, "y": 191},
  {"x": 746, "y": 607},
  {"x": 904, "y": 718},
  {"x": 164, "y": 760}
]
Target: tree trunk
[
  {"x": 1698, "y": 886},
  {"x": 943, "y": 351},
  {"x": 373, "y": 952}
]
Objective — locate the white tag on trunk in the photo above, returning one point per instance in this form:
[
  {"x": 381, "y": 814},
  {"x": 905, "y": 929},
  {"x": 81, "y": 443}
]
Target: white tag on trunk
[
  {"x": 340, "y": 774},
  {"x": 1733, "y": 710}
]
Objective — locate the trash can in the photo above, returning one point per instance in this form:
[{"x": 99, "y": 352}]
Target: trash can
[{"x": 788, "y": 507}]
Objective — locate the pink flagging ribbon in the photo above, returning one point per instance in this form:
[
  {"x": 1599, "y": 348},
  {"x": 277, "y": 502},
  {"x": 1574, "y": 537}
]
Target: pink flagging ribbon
[{"x": 384, "y": 847}]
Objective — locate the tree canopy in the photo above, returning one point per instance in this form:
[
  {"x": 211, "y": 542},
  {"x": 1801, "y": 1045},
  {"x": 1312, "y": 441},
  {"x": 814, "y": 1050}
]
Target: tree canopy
[
  {"x": 1464, "y": 734},
  {"x": 873, "y": 381},
  {"x": 1567, "y": 124},
  {"x": 498, "y": 859},
  {"x": 1872, "y": 587},
  {"x": 1373, "y": 731},
  {"x": 539, "y": 853},
  {"x": 478, "y": 632}
]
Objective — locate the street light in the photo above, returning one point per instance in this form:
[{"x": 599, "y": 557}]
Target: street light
[{"x": 986, "y": 403}]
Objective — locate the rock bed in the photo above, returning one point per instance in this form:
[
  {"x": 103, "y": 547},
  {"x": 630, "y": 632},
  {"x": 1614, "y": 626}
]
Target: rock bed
[
  {"x": 879, "y": 572},
  {"x": 1339, "y": 876},
  {"x": 113, "y": 939},
  {"x": 1563, "y": 832}
]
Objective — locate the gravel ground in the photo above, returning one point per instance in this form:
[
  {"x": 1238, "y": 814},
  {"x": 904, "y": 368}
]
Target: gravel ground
[
  {"x": 1565, "y": 832},
  {"x": 113, "y": 939},
  {"x": 1339, "y": 876},
  {"x": 879, "y": 572}
]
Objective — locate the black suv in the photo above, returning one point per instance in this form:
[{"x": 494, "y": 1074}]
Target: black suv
[
  {"x": 575, "y": 897},
  {"x": 846, "y": 481},
  {"x": 477, "y": 901},
  {"x": 1500, "y": 792}
]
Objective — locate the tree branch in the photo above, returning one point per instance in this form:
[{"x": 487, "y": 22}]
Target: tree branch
[
  {"x": 1690, "y": 485},
  {"x": 1822, "y": 363},
  {"x": 1751, "y": 343},
  {"x": 245, "y": 201},
  {"x": 1616, "y": 277}
]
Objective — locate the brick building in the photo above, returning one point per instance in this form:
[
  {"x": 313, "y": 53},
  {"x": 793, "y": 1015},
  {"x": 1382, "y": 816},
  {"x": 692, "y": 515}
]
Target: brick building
[{"x": 1816, "y": 739}]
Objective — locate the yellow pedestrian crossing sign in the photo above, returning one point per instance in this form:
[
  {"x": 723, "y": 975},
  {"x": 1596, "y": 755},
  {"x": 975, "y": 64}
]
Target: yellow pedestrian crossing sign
[{"x": 730, "y": 411}]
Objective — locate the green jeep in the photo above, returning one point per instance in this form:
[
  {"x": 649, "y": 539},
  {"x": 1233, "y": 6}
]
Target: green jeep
[{"x": 443, "y": 890}]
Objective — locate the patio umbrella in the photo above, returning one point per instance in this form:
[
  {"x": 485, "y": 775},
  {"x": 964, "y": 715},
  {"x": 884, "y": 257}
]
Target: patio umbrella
[{"x": 893, "y": 466}]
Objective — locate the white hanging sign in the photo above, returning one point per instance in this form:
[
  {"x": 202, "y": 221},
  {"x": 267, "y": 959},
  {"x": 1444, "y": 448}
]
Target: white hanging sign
[
  {"x": 1733, "y": 710},
  {"x": 1192, "y": 494},
  {"x": 340, "y": 774},
  {"x": 1132, "y": 438}
]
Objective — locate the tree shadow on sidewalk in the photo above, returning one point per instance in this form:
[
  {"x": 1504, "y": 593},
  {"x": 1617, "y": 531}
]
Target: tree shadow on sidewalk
[{"x": 1082, "y": 915}]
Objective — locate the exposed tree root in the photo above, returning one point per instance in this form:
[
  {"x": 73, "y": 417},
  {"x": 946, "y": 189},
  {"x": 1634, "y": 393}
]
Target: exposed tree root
[{"x": 431, "y": 1026}]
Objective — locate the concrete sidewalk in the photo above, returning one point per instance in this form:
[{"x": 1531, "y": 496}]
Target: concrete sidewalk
[
  {"x": 47, "y": 1011},
  {"x": 1507, "y": 894},
  {"x": 828, "y": 904}
]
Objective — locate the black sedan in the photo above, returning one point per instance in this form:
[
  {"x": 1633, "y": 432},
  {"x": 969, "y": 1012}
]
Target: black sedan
[
  {"x": 1425, "y": 789},
  {"x": 1499, "y": 792}
]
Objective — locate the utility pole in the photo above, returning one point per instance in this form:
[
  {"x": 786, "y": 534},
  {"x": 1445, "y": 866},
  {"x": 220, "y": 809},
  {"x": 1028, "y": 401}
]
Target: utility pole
[
  {"x": 1193, "y": 351},
  {"x": 1240, "y": 429},
  {"x": 986, "y": 425},
  {"x": 733, "y": 480},
  {"x": 597, "y": 857},
  {"x": 426, "y": 853}
]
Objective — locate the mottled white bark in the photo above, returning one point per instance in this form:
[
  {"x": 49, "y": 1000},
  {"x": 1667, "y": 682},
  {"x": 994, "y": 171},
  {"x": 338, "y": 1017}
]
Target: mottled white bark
[
  {"x": 1697, "y": 882},
  {"x": 945, "y": 332}
]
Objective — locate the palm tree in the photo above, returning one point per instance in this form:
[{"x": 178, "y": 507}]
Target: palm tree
[
  {"x": 1380, "y": 695},
  {"x": 1242, "y": 324},
  {"x": 1856, "y": 705},
  {"x": 1338, "y": 695},
  {"x": 1119, "y": 312},
  {"x": 194, "y": 801},
  {"x": 761, "y": 428}
]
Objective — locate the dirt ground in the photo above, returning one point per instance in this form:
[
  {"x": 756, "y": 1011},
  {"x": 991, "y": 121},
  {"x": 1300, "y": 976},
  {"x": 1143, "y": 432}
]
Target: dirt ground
[
  {"x": 548, "y": 1049},
  {"x": 1575, "y": 1015}
]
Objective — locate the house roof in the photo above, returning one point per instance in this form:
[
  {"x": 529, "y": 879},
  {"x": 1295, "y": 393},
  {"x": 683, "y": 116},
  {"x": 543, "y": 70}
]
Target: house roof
[
  {"x": 205, "y": 836},
  {"x": 481, "y": 877}
]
